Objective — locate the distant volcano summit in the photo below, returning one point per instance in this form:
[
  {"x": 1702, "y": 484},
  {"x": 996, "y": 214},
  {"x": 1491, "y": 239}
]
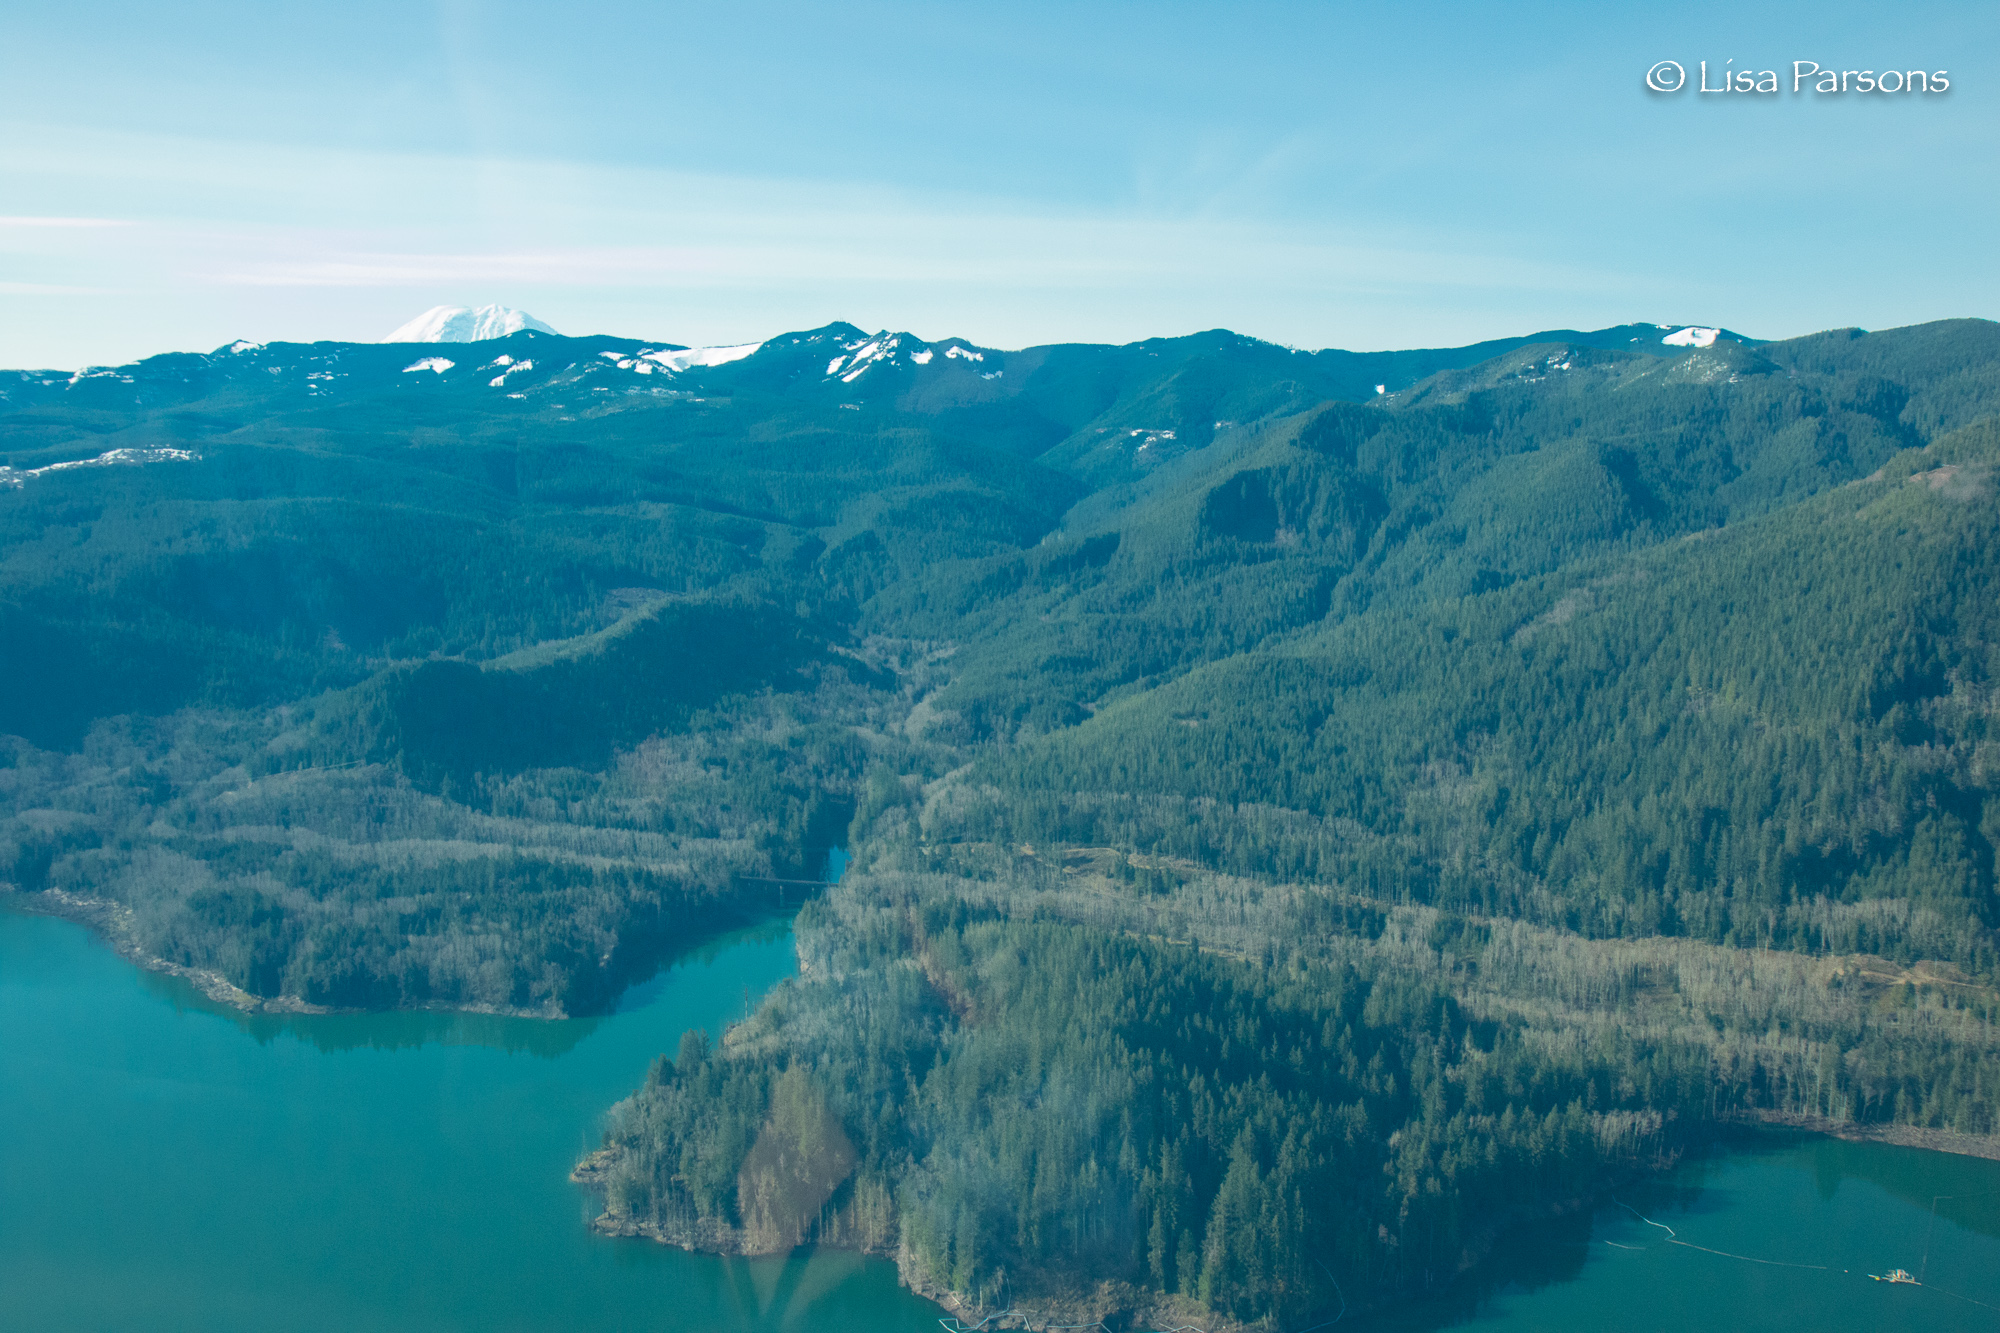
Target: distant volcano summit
[{"x": 464, "y": 324}]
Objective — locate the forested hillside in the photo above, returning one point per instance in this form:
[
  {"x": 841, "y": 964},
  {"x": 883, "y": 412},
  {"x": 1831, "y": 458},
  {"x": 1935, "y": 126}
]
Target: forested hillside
[{"x": 1307, "y": 810}]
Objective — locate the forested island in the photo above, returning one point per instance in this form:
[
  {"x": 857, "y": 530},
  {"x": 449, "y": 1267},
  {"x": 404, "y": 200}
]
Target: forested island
[{"x": 1306, "y": 813}]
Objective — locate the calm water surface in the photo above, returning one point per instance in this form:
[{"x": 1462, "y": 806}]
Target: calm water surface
[
  {"x": 1789, "y": 1229},
  {"x": 167, "y": 1164}
]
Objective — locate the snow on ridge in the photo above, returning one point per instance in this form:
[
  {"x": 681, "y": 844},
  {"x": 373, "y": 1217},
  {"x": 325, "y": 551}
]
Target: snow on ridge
[
  {"x": 10, "y": 479},
  {"x": 99, "y": 373},
  {"x": 689, "y": 357},
  {"x": 465, "y": 324},
  {"x": 1692, "y": 336},
  {"x": 870, "y": 350},
  {"x": 436, "y": 363}
]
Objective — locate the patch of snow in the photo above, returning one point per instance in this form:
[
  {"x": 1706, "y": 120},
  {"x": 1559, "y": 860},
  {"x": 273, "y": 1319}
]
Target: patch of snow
[
  {"x": 1381, "y": 388},
  {"x": 994, "y": 375},
  {"x": 689, "y": 357},
  {"x": 859, "y": 356},
  {"x": 434, "y": 363},
  {"x": 465, "y": 324},
  {"x": 502, "y": 360},
  {"x": 965, "y": 352},
  {"x": 1691, "y": 337},
  {"x": 243, "y": 345}
]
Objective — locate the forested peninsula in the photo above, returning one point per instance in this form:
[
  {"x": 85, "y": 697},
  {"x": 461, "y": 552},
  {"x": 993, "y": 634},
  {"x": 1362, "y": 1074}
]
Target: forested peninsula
[{"x": 1305, "y": 813}]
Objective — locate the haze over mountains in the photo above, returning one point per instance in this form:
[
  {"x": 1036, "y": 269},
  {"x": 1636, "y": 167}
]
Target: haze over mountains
[{"x": 1429, "y": 783}]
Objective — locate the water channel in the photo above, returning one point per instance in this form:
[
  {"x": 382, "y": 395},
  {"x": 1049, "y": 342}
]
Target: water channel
[{"x": 170, "y": 1164}]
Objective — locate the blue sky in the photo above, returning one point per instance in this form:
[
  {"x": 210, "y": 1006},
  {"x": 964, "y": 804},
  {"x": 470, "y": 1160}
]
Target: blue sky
[{"x": 177, "y": 176}]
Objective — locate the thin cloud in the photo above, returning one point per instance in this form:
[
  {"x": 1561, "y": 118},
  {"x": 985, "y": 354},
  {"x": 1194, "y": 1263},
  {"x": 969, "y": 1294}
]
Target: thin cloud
[
  {"x": 601, "y": 230},
  {"x": 400, "y": 270},
  {"x": 64, "y": 222},
  {"x": 1079, "y": 254},
  {"x": 52, "y": 289}
]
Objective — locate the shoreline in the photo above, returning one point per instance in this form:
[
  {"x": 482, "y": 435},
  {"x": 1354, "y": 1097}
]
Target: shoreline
[
  {"x": 1122, "y": 1304},
  {"x": 1081, "y": 1311},
  {"x": 110, "y": 922},
  {"x": 1901, "y": 1136},
  {"x": 1111, "y": 1304}
]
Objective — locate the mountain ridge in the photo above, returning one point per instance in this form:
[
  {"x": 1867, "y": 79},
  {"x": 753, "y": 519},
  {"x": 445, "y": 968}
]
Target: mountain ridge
[{"x": 497, "y": 323}]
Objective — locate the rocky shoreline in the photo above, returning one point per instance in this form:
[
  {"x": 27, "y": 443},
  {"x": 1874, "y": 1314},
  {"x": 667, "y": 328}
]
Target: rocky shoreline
[{"x": 112, "y": 922}]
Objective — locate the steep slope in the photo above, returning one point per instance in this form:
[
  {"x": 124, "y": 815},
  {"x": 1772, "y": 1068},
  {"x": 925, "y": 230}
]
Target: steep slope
[
  {"x": 1468, "y": 482},
  {"x": 1771, "y": 735}
]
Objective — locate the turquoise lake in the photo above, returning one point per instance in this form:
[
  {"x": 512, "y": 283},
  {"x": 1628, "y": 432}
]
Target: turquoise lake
[{"x": 170, "y": 1164}]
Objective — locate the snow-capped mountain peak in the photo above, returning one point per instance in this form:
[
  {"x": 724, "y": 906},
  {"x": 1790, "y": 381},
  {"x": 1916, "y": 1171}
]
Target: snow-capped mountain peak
[
  {"x": 1694, "y": 336},
  {"x": 464, "y": 324}
]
